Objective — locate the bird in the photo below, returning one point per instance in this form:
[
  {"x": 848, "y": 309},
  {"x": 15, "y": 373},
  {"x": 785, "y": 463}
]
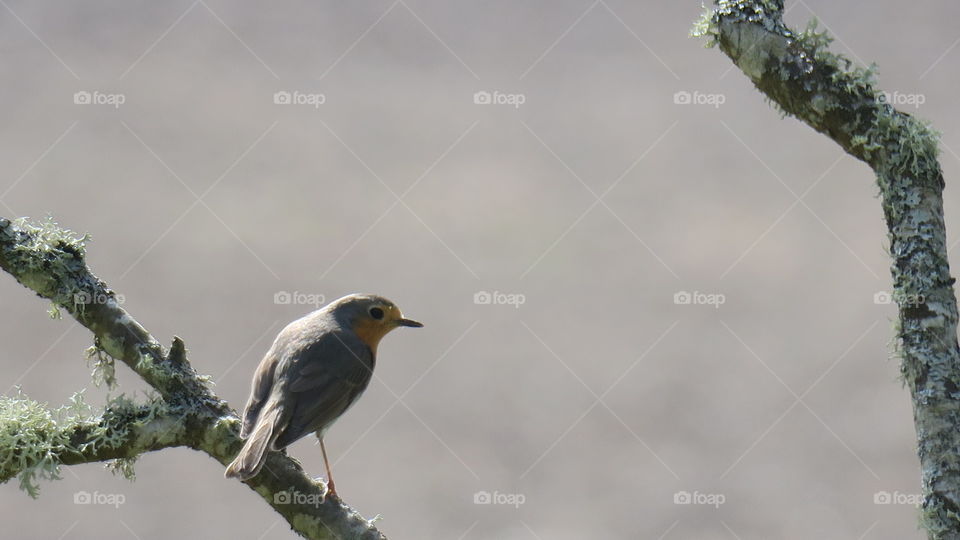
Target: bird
[{"x": 317, "y": 367}]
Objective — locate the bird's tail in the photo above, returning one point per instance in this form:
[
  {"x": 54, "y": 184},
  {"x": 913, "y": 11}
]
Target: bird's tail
[{"x": 254, "y": 452}]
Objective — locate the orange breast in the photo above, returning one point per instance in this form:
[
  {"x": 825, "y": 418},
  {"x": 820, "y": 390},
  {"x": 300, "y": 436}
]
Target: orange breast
[{"x": 371, "y": 332}]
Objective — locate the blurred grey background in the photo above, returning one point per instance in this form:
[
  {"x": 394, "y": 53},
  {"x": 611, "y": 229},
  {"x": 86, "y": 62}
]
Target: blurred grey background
[{"x": 616, "y": 165}]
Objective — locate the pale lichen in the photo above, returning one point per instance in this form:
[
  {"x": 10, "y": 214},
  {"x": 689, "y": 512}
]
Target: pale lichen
[
  {"x": 35, "y": 441},
  {"x": 218, "y": 438},
  {"x": 706, "y": 27},
  {"x": 47, "y": 235},
  {"x": 123, "y": 467},
  {"x": 909, "y": 145},
  {"x": 829, "y": 92},
  {"x": 103, "y": 367},
  {"x": 44, "y": 253},
  {"x": 32, "y": 437}
]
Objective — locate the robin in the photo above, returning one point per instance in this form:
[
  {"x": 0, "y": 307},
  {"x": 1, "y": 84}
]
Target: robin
[{"x": 315, "y": 370}]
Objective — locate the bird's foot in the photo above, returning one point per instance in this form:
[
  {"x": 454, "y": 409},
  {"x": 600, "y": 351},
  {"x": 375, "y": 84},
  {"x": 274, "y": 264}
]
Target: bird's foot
[
  {"x": 331, "y": 490},
  {"x": 328, "y": 489}
]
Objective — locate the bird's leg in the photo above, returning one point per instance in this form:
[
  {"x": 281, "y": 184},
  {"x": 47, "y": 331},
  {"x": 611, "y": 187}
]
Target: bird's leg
[{"x": 330, "y": 487}]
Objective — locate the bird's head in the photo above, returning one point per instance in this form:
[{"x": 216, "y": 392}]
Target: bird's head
[{"x": 370, "y": 316}]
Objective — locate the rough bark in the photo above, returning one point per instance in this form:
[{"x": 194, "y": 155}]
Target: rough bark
[
  {"x": 51, "y": 262},
  {"x": 799, "y": 75}
]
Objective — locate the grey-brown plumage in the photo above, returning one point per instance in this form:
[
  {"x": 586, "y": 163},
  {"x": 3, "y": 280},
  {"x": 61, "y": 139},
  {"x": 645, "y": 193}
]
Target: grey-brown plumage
[{"x": 315, "y": 370}]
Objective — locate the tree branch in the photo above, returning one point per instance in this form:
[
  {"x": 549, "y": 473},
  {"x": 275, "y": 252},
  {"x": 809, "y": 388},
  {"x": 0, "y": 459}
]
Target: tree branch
[
  {"x": 38, "y": 440},
  {"x": 804, "y": 79},
  {"x": 50, "y": 261}
]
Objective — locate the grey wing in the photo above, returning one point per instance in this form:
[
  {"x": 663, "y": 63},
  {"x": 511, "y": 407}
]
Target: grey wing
[
  {"x": 329, "y": 376},
  {"x": 260, "y": 388}
]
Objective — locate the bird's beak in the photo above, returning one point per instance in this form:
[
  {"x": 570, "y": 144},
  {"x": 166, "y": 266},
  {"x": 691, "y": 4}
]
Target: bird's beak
[{"x": 409, "y": 322}]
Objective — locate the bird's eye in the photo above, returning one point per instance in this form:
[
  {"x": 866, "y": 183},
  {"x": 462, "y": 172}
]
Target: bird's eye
[{"x": 376, "y": 313}]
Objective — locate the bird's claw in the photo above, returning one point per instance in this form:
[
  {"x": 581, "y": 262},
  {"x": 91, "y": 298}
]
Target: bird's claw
[{"x": 327, "y": 489}]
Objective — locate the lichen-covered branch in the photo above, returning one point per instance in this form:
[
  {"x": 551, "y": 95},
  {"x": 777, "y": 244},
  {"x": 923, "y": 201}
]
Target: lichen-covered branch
[
  {"x": 824, "y": 90},
  {"x": 35, "y": 442}
]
